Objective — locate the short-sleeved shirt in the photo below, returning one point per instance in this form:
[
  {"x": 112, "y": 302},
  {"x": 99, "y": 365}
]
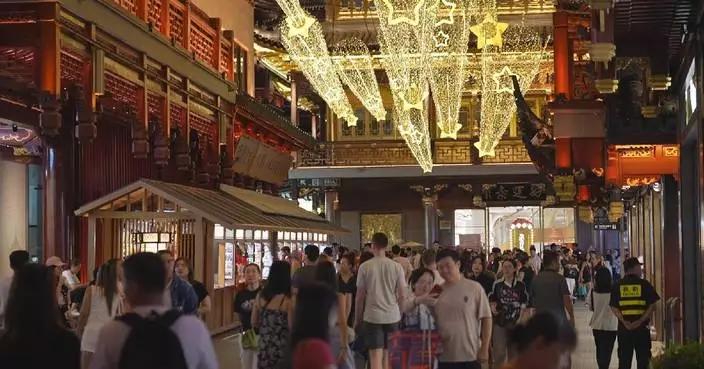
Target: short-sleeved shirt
[
  {"x": 244, "y": 303},
  {"x": 460, "y": 308},
  {"x": 547, "y": 294},
  {"x": 304, "y": 275},
  {"x": 632, "y": 296},
  {"x": 379, "y": 279},
  {"x": 348, "y": 287}
]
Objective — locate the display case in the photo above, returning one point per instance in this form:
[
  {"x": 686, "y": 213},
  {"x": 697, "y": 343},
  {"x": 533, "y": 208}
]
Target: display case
[{"x": 297, "y": 241}]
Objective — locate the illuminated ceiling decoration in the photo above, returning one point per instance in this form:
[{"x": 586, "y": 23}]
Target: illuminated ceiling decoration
[
  {"x": 303, "y": 38},
  {"x": 354, "y": 64},
  {"x": 406, "y": 36},
  {"x": 447, "y": 69},
  {"x": 506, "y": 51}
]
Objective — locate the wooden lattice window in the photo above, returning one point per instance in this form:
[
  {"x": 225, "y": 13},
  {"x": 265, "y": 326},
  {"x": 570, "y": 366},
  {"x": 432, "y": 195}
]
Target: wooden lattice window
[
  {"x": 204, "y": 126},
  {"x": 177, "y": 115},
  {"x": 129, "y": 5},
  {"x": 155, "y": 104},
  {"x": 121, "y": 90},
  {"x": 19, "y": 63},
  {"x": 225, "y": 57},
  {"x": 202, "y": 43},
  {"x": 71, "y": 67},
  {"x": 241, "y": 66},
  {"x": 176, "y": 19},
  {"x": 154, "y": 13}
]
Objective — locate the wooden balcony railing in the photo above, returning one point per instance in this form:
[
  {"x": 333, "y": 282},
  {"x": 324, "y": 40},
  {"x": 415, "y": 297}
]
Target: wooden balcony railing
[
  {"x": 190, "y": 28},
  {"x": 383, "y": 153}
]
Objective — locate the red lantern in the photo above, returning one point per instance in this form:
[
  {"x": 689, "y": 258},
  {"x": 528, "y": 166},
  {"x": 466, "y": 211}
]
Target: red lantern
[
  {"x": 50, "y": 118},
  {"x": 583, "y": 194}
]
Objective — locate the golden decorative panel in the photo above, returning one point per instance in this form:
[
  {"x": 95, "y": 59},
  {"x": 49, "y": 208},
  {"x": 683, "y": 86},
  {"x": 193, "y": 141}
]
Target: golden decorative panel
[
  {"x": 636, "y": 151},
  {"x": 508, "y": 152},
  {"x": 452, "y": 152},
  {"x": 671, "y": 151},
  {"x": 389, "y": 224},
  {"x": 369, "y": 153},
  {"x": 640, "y": 180}
]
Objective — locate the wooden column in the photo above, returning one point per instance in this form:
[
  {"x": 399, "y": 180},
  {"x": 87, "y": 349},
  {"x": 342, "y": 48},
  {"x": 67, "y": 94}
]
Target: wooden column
[
  {"x": 562, "y": 57},
  {"x": 48, "y": 75}
]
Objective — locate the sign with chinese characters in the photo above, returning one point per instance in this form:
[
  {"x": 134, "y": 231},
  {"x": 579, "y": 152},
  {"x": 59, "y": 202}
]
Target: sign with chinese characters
[
  {"x": 514, "y": 192},
  {"x": 261, "y": 161},
  {"x": 229, "y": 261},
  {"x": 602, "y": 222},
  {"x": 316, "y": 182}
]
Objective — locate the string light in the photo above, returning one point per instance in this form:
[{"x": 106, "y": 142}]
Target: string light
[
  {"x": 406, "y": 37},
  {"x": 303, "y": 38},
  {"x": 354, "y": 66},
  {"x": 518, "y": 53},
  {"x": 448, "y": 66}
]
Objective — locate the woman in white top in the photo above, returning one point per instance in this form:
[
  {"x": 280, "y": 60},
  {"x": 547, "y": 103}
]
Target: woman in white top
[
  {"x": 604, "y": 323},
  {"x": 100, "y": 305}
]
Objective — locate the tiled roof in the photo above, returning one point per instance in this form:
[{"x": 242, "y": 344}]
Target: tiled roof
[{"x": 230, "y": 207}]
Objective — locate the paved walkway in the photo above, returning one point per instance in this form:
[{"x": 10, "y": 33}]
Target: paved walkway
[{"x": 584, "y": 357}]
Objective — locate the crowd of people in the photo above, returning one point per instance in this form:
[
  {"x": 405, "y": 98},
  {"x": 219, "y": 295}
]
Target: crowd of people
[{"x": 376, "y": 308}]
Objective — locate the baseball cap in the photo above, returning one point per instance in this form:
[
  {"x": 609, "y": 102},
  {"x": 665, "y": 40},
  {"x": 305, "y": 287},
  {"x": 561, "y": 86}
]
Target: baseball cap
[
  {"x": 630, "y": 263},
  {"x": 54, "y": 261}
]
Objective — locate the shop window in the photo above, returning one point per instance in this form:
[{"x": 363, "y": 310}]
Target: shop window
[{"x": 368, "y": 128}]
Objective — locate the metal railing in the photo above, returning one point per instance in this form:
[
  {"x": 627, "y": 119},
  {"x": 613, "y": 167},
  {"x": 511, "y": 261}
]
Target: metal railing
[{"x": 671, "y": 313}]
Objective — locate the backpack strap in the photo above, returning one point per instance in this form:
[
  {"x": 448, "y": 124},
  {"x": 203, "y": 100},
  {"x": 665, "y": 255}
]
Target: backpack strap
[
  {"x": 169, "y": 318},
  {"x": 131, "y": 319}
]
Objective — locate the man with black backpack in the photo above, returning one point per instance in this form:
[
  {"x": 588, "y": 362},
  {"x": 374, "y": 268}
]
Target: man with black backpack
[{"x": 152, "y": 336}]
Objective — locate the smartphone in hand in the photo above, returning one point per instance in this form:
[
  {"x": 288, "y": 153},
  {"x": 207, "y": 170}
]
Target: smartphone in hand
[{"x": 436, "y": 291}]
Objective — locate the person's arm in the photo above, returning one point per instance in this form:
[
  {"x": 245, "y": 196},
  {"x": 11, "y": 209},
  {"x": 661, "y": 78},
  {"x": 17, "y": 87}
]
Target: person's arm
[
  {"x": 255, "y": 314},
  {"x": 342, "y": 324},
  {"x": 85, "y": 310},
  {"x": 205, "y": 305},
  {"x": 361, "y": 296},
  {"x": 484, "y": 313},
  {"x": 401, "y": 286},
  {"x": 190, "y": 302},
  {"x": 567, "y": 298}
]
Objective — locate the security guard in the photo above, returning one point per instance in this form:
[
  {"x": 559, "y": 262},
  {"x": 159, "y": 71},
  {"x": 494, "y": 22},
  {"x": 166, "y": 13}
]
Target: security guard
[{"x": 633, "y": 301}]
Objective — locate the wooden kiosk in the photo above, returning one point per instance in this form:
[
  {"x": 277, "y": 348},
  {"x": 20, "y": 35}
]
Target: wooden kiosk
[{"x": 205, "y": 226}]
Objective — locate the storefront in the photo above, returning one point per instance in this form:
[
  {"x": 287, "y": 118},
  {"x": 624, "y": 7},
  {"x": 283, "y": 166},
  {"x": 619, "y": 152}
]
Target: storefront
[
  {"x": 687, "y": 85},
  {"x": 512, "y": 227},
  {"x": 217, "y": 231}
]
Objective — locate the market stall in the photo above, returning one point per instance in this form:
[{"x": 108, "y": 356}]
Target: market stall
[{"x": 218, "y": 231}]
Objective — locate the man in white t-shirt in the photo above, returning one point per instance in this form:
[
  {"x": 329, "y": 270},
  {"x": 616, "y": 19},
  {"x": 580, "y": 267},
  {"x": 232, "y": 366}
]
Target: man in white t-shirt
[
  {"x": 18, "y": 258},
  {"x": 380, "y": 292},
  {"x": 144, "y": 283},
  {"x": 463, "y": 316}
]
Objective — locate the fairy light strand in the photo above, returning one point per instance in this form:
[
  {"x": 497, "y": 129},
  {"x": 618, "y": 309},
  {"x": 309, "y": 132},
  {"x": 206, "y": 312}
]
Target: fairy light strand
[{"x": 354, "y": 66}]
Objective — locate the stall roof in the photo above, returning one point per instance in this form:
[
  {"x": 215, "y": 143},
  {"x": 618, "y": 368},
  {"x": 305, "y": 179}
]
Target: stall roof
[{"x": 228, "y": 206}]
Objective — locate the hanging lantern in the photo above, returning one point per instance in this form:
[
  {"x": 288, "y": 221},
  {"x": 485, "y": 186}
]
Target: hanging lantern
[
  {"x": 183, "y": 158},
  {"x": 50, "y": 118},
  {"x": 583, "y": 194},
  {"x": 140, "y": 144},
  {"x": 616, "y": 211},
  {"x": 586, "y": 214},
  {"x": 86, "y": 130},
  {"x": 565, "y": 188},
  {"x": 162, "y": 154}
]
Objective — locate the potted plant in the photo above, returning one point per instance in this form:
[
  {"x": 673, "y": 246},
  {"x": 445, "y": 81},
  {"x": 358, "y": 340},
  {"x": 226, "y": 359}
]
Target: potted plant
[{"x": 687, "y": 356}]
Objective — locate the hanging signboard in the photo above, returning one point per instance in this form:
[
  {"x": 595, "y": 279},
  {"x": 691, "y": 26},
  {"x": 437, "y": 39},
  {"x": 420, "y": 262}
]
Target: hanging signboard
[{"x": 258, "y": 160}]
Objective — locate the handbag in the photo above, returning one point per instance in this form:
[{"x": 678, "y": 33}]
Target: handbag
[{"x": 250, "y": 340}]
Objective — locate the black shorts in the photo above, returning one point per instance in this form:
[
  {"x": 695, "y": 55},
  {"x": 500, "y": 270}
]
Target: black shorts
[{"x": 376, "y": 336}]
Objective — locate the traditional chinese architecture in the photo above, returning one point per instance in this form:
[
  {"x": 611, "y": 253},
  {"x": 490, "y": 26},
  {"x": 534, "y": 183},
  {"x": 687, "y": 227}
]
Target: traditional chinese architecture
[{"x": 99, "y": 94}]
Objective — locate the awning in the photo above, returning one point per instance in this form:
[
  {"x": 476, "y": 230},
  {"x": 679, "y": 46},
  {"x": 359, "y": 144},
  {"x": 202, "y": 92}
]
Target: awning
[{"x": 228, "y": 206}]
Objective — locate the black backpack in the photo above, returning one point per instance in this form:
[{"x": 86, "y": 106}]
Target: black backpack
[{"x": 151, "y": 344}]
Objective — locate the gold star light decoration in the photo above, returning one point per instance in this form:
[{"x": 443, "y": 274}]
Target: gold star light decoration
[
  {"x": 303, "y": 38},
  {"x": 518, "y": 53},
  {"x": 489, "y": 31},
  {"x": 406, "y": 37},
  {"x": 447, "y": 70},
  {"x": 354, "y": 66}
]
